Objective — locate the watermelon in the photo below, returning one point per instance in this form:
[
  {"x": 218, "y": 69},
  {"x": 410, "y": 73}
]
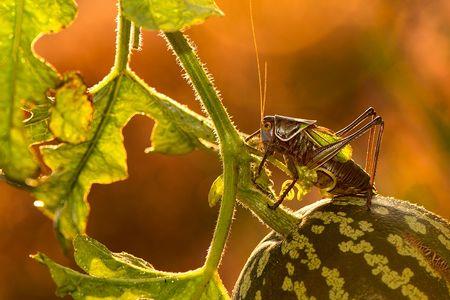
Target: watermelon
[{"x": 342, "y": 250}]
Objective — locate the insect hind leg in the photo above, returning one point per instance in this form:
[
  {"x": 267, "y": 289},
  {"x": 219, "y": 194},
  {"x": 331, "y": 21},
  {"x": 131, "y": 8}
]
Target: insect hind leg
[
  {"x": 326, "y": 153},
  {"x": 375, "y": 153},
  {"x": 370, "y": 112}
]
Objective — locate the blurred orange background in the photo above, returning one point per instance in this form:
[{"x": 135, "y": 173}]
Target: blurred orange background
[{"x": 328, "y": 60}]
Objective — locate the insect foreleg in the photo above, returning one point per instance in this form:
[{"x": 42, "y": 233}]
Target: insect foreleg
[
  {"x": 252, "y": 135},
  {"x": 370, "y": 112},
  {"x": 268, "y": 153}
]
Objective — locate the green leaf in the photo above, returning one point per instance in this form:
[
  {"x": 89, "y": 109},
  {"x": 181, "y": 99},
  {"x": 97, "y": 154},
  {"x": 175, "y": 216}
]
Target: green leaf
[
  {"x": 323, "y": 137},
  {"x": 102, "y": 157},
  {"x": 94, "y": 258},
  {"x": 25, "y": 77},
  {"x": 37, "y": 127},
  {"x": 123, "y": 276},
  {"x": 71, "y": 115},
  {"x": 169, "y": 15}
]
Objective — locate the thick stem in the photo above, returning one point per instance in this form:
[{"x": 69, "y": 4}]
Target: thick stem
[
  {"x": 228, "y": 135},
  {"x": 281, "y": 220},
  {"x": 230, "y": 143},
  {"x": 232, "y": 150},
  {"x": 230, "y": 175}
]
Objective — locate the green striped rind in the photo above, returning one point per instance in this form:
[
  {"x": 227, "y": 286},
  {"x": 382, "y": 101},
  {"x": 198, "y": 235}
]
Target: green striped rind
[{"x": 342, "y": 251}]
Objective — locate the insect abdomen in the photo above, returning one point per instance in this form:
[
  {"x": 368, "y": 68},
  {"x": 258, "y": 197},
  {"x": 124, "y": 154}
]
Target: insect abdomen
[
  {"x": 350, "y": 178},
  {"x": 335, "y": 177}
]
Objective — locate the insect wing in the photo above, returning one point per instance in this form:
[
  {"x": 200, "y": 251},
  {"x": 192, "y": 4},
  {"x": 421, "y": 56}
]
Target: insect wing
[
  {"x": 323, "y": 136},
  {"x": 286, "y": 128}
]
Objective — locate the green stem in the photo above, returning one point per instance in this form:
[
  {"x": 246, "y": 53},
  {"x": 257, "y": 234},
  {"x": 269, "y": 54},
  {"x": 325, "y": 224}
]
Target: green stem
[
  {"x": 230, "y": 175},
  {"x": 230, "y": 143},
  {"x": 123, "y": 43},
  {"x": 137, "y": 38},
  {"x": 281, "y": 220},
  {"x": 234, "y": 155},
  {"x": 208, "y": 95}
]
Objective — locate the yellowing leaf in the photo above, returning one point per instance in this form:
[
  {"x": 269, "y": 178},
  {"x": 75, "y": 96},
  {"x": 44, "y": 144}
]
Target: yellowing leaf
[
  {"x": 123, "y": 276},
  {"x": 169, "y": 15},
  {"x": 291, "y": 194},
  {"x": 215, "y": 192},
  {"x": 102, "y": 157},
  {"x": 24, "y": 77},
  {"x": 71, "y": 115}
]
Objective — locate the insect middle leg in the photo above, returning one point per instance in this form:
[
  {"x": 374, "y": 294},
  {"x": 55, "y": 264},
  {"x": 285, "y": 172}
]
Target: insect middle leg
[{"x": 291, "y": 165}]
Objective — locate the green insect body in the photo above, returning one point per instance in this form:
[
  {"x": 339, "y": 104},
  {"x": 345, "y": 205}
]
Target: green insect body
[{"x": 323, "y": 137}]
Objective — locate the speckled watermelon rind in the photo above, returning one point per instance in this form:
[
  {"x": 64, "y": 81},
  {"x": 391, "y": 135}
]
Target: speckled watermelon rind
[{"x": 396, "y": 250}]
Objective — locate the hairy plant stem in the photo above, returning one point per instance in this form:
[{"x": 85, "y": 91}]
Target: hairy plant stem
[
  {"x": 124, "y": 44},
  {"x": 229, "y": 142},
  {"x": 207, "y": 94},
  {"x": 230, "y": 175},
  {"x": 235, "y": 155},
  {"x": 281, "y": 220}
]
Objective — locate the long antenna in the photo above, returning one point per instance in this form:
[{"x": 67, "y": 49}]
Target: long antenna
[
  {"x": 262, "y": 93},
  {"x": 263, "y": 106}
]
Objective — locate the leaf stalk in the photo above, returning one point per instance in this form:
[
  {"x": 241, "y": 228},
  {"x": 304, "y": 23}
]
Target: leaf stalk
[{"x": 123, "y": 43}]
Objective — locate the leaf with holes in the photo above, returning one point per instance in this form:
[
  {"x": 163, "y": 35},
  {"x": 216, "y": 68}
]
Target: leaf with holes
[
  {"x": 71, "y": 114},
  {"x": 102, "y": 157},
  {"x": 25, "y": 78}
]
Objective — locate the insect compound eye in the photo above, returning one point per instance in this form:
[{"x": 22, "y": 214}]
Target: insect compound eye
[{"x": 267, "y": 125}]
